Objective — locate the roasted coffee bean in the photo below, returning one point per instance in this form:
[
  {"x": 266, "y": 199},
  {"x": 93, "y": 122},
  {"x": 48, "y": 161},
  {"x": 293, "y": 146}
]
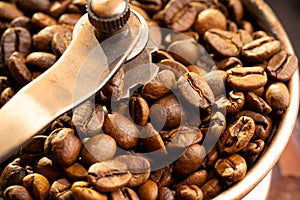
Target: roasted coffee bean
[
  {"x": 259, "y": 34},
  {"x": 88, "y": 119},
  {"x": 164, "y": 193},
  {"x": 211, "y": 188},
  {"x": 160, "y": 55},
  {"x": 148, "y": 191},
  {"x": 228, "y": 63},
  {"x": 124, "y": 193},
  {"x": 12, "y": 174},
  {"x": 122, "y": 130},
  {"x": 113, "y": 89},
  {"x": 253, "y": 148},
  {"x": 196, "y": 69},
  {"x": 17, "y": 192},
  {"x": 21, "y": 21},
  {"x": 33, "y": 150},
  {"x": 6, "y": 95},
  {"x": 278, "y": 97},
  {"x": 185, "y": 51},
  {"x": 152, "y": 139},
  {"x": 59, "y": 7},
  {"x": 139, "y": 110},
  {"x": 176, "y": 67},
  {"x": 15, "y": 39},
  {"x": 236, "y": 10},
  {"x": 37, "y": 185},
  {"x": 212, "y": 156},
  {"x": 185, "y": 192},
  {"x": 232, "y": 168},
  {"x": 163, "y": 176},
  {"x": 189, "y": 161},
  {"x": 237, "y": 135},
  {"x": 216, "y": 80},
  {"x": 63, "y": 121},
  {"x": 166, "y": 113},
  {"x": 41, "y": 20},
  {"x": 61, "y": 189},
  {"x": 233, "y": 104},
  {"x": 63, "y": 146},
  {"x": 18, "y": 69},
  {"x": 159, "y": 86},
  {"x": 60, "y": 43},
  {"x": 195, "y": 90},
  {"x": 257, "y": 104},
  {"x": 150, "y": 6},
  {"x": 83, "y": 190},
  {"x": 69, "y": 19},
  {"x": 42, "y": 40},
  {"x": 183, "y": 137},
  {"x": 246, "y": 25},
  {"x": 263, "y": 124},
  {"x": 138, "y": 166},
  {"x": 245, "y": 36},
  {"x": 282, "y": 66},
  {"x": 260, "y": 49},
  {"x": 198, "y": 178},
  {"x": 4, "y": 83},
  {"x": 51, "y": 170},
  {"x": 223, "y": 43},
  {"x": 9, "y": 11},
  {"x": 208, "y": 19},
  {"x": 93, "y": 150},
  {"x": 31, "y": 6},
  {"x": 76, "y": 172},
  {"x": 247, "y": 78},
  {"x": 108, "y": 176}
]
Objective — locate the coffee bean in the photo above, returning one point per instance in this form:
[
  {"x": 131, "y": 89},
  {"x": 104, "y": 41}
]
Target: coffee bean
[
  {"x": 208, "y": 19},
  {"x": 108, "y": 176},
  {"x": 232, "y": 168},
  {"x": 51, "y": 170},
  {"x": 93, "y": 150},
  {"x": 63, "y": 121},
  {"x": 159, "y": 86},
  {"x": 113, "y": 89},
  {"x": 76, "y": 172},
  {"x": 211, "y": 188},
  {"x": 233, "y": 104},
  {"x": 138, "y": 166},
  {"x": 189, "y": 161},
  {"x": 124, "y": 193},
  {"x": 37, "y": 185},
  {"x": 63, "y": 146},
  {"x": 4, "y": 83},
  {"x": 41, "y": 20},
  {"x": 17, "y": 192},
  {"x": 237, "y": 135},
  {"x": 260, "y": 49},
  {"x": 21, "y": 21},
  {"x": 69, "y": 19},
  {"x": 60, "y": 43},
  {"x": 122, "y": 130},
  {"x": 88, "y": 119},
  {"x": 263, "y": 123},
  {"x": 9, "y": 11},
  {"x": 31, "y": 6},
  {"x": 282, "y": 66},
  {"x": 182, "y": 137},
  {"x": 223, "y": 43},
  {"x": 61, "y": 189},
  {"x": 216, "y": 80},
  {"x": 83, "y": 190},
  {"x": 195, "y": 90},
  {"x": 139, "y": 110},
  {"x": 253, "y": 148},
  {"x": 257, "y": 104},
  {"x": 198, "y": 178},
  {"x": 247, "y": 78},
  {"x": 148, "y": 190},
  {"x": 164, "y": 193},
  {"x": 228, "y": 63},
  {"x": 59, "y": 7},
  {"x": 166, "y": 113},
  {"x": 278, "y": 97},
  {"x": 176, "y": 67},
  {"x": 6, "y": 95},
  {"x": 33, "y": 150},
  {"x": 18, "y": 69},
  {"x": 152, "y": 139},
  {"x": 151, "y": 6},
  {"x": 186, "y": 192},
  {"x": 163, "y": 176},
  {"x": 42, "y": 40},
  {"x": 15, "y": 39}
]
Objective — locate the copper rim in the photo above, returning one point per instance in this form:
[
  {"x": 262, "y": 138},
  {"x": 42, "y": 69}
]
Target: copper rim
[{"x": 268, "y": 21}]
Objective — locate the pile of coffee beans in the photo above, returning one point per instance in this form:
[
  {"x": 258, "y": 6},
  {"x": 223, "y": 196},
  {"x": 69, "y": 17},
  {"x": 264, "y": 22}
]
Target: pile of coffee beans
[{"x": 191, "y": 132}]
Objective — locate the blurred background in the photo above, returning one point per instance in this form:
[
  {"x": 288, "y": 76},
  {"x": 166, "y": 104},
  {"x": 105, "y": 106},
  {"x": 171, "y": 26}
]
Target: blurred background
[{"x": 285, "y": 184}]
